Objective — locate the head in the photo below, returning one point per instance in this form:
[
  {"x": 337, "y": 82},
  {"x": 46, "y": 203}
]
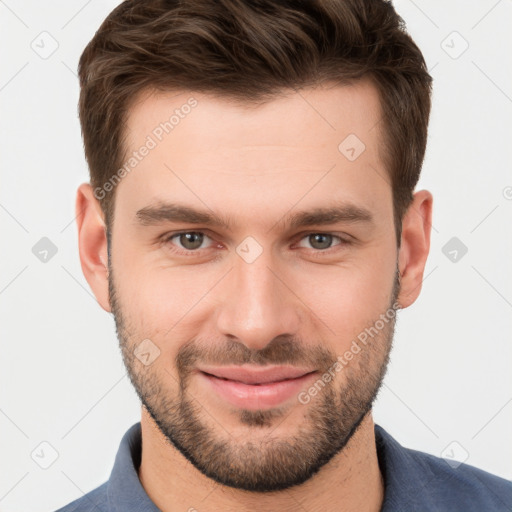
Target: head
[{"x": 252, "y": 203}]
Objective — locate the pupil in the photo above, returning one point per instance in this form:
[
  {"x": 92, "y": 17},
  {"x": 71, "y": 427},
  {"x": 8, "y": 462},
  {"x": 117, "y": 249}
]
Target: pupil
[
  {"x": 320, "y": 241},
  {"x": 191, "y": 240}
]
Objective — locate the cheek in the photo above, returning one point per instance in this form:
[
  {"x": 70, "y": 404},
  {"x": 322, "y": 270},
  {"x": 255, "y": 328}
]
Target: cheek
[
  {"x": 161, "y": 301},
  {"x": 348, "y": 298}
]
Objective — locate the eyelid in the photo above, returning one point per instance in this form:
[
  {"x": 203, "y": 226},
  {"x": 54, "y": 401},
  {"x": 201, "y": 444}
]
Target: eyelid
[
  {"x": 166, "y": 238},
  {"x": 343, "y": 240}
]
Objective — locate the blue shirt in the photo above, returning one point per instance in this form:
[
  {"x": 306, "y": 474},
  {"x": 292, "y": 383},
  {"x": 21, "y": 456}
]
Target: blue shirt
[{"x": 414, "y": 482}]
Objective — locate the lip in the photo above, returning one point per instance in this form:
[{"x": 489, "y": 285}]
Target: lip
[
  {"x": 258, "y": 388},
  {"x": 255, "y": 374}
]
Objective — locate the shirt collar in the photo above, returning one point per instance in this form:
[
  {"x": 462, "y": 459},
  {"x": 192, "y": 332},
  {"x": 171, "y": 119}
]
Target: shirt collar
[
  {"x": 125, "y": 492},
  {"x": 406, "y": 477}
]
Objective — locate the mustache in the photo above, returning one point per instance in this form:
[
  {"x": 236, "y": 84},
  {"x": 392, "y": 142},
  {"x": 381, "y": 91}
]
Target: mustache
[{"x": 282, "y": 350}]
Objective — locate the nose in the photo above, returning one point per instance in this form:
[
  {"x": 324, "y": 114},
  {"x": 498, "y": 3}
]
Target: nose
[{"x": 257, "y": 304}]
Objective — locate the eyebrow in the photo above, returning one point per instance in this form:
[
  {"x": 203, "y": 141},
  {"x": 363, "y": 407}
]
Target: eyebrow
[
  {"x": 330, "y": 215},
  {"x": 168, "y": 212}
]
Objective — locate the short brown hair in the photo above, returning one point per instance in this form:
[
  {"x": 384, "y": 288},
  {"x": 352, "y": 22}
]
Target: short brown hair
[{"x": 250, "y": 51}]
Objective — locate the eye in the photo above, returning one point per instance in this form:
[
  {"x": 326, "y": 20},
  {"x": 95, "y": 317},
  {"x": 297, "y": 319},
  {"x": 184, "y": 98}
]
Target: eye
[
  {"x": 320, "y": 241},
  {"x": 189, "y": 240}
]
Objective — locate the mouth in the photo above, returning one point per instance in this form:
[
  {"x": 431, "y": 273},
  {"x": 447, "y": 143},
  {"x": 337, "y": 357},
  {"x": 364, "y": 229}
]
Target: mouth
[
  {"x": 256, "y": 388},
  {"x": 256, "y": 375}
]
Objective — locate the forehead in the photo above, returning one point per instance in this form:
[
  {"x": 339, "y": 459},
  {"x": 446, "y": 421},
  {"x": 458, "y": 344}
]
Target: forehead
[
  {"x": 209, "y": 149},
  {"x": 291, "y": 118}
]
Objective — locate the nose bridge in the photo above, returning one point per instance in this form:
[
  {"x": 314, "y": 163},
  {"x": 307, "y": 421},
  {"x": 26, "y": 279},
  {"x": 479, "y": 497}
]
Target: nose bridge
[
  {"x": 256, "y": 286},
  {"x": 256, "y": 306}
]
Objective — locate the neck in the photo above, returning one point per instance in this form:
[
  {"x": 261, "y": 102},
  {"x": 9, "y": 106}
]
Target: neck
[{"x": 351, "y": 481}]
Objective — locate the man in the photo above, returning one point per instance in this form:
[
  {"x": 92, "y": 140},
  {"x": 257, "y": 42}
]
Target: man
[{"x": 252, "y": 225}]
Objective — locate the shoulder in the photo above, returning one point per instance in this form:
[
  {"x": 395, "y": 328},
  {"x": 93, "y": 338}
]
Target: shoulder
[
  {"x": 90, "y": 502},
  {"x": 464, "y": 486},
  {"x": 420, "y": 481}
]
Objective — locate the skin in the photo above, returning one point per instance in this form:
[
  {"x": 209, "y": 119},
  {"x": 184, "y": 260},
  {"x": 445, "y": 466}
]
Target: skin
[{"x": 256, "y": 167}]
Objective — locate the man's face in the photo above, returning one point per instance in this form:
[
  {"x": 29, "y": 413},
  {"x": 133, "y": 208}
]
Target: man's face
[{"x": 273, "y": 284}]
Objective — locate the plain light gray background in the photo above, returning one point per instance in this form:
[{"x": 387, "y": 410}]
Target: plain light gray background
[{"x": 449, "y": 387}]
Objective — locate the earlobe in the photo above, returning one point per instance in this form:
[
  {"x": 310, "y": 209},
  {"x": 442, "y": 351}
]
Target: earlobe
[
  {"x": 92, "y": 243},
  {"x": 415, "y": 246}
]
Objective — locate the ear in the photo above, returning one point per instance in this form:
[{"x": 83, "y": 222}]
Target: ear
[
  {"x": 415, "y": 246},
  {"x": 92, "y": 243}
]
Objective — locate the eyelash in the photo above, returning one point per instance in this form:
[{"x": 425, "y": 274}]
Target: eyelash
[{"x": 190, "y": 252}]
